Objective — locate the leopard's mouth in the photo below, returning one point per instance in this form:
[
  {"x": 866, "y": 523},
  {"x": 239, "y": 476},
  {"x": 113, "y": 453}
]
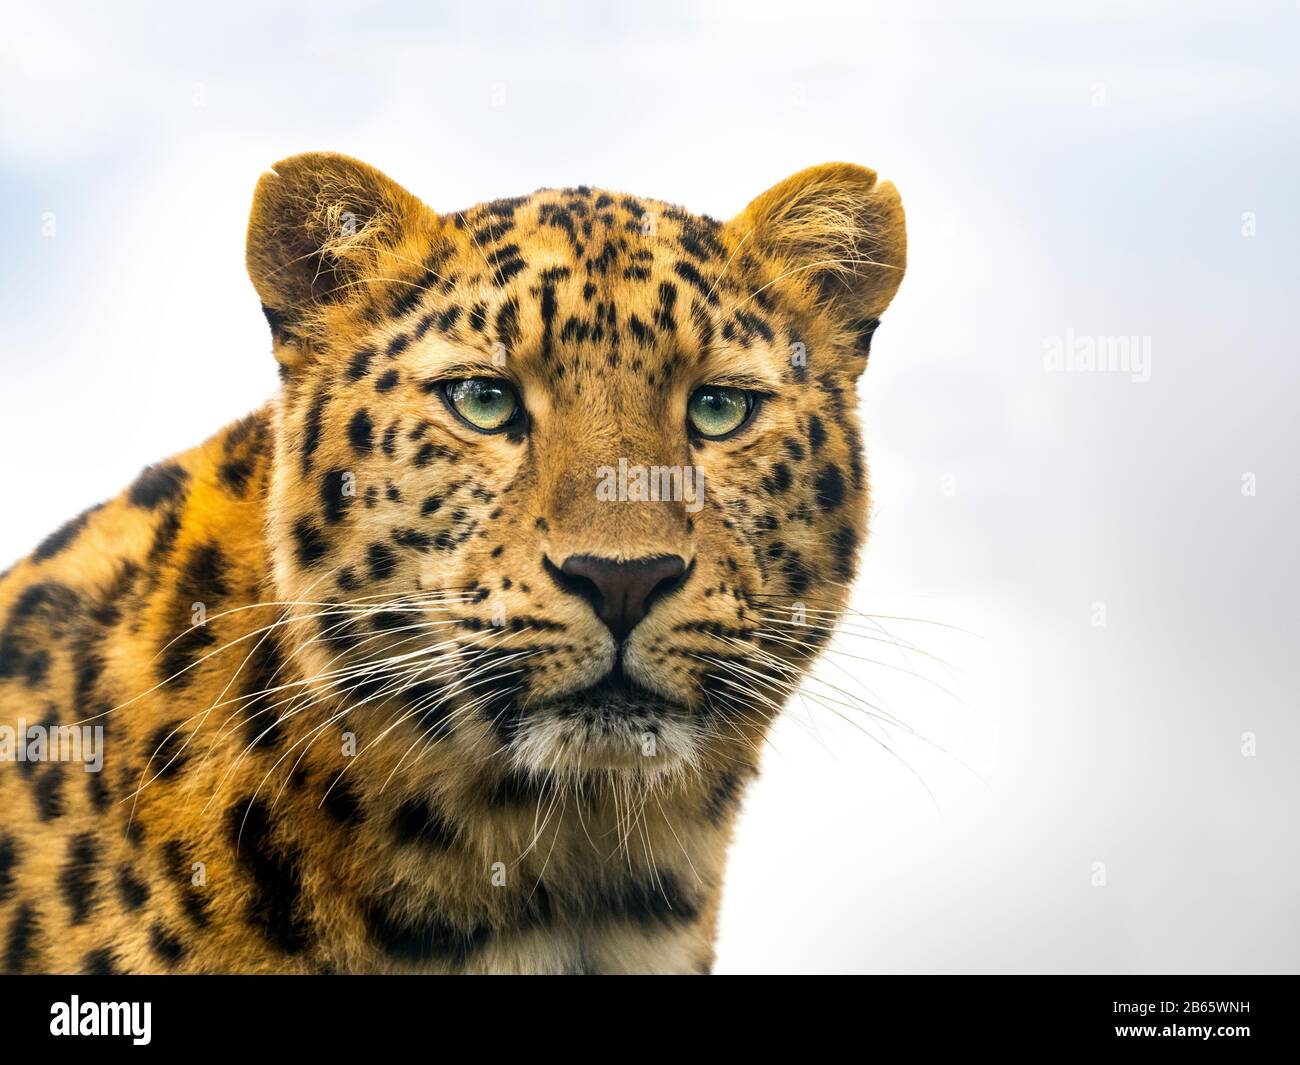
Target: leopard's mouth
[
  {"x": 614, "y": 724},
  {"x": 615, "y": 696}
]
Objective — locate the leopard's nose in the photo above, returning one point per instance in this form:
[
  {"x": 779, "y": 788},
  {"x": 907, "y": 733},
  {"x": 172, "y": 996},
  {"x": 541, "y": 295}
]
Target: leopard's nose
[{"x": 621, "y": 593}]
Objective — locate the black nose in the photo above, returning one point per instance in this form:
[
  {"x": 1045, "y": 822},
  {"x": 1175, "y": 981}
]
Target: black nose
[{"x": 621, "y": 593}]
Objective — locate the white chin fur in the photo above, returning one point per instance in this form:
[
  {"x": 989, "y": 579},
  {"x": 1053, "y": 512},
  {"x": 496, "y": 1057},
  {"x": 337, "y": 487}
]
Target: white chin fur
[{"x": 654, "y": 748}]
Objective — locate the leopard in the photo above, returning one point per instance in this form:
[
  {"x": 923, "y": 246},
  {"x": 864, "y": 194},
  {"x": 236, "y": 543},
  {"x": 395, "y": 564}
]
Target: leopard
[{"x": 459, "y": 654}]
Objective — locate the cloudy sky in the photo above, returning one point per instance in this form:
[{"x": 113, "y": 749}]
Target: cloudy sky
[{"x": 1104, "y": 561}]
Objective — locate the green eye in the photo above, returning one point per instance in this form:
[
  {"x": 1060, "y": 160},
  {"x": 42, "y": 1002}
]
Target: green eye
[
  {"x": 716, "y": 411},
  {"x": 487, "y": 403}
]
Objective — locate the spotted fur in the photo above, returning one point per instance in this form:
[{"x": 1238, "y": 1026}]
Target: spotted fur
[{"x": 353, "y": 721}]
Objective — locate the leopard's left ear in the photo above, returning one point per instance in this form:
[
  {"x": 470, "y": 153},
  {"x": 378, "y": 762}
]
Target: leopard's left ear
[{"x": 838, "y": 234}]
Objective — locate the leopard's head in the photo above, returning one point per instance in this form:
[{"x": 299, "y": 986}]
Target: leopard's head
[{"x": 571, "y": 480}]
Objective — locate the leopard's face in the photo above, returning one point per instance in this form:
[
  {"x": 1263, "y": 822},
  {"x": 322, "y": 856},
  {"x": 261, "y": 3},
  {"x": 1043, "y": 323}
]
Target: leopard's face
[{"x": 573, "y": 480}]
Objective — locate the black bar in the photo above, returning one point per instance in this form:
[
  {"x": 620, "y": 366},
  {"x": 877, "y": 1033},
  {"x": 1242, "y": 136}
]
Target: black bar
[{"x": 1067, "y": 1013}]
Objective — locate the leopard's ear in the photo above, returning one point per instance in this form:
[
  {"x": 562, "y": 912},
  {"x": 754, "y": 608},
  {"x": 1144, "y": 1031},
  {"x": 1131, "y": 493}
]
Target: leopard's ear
[
  {"x": 320, "y": 224},
  {"x": 838, "y": 234}
]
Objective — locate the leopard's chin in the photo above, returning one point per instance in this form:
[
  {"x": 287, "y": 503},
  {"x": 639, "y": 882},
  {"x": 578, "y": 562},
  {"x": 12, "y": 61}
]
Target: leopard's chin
[{"x": 614, "y": 725}]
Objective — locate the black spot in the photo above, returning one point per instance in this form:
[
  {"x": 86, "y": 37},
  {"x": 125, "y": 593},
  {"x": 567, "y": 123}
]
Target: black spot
[
  {"x": 164, "y": 537},
  {"x": 361, "y": 432},
  {"x": 338, "y": 628},
  {"x": 168, "y": 756},
  {"x": 428, "y": 939},
  {"x": 398, "y": 345},
  {"x": 753, "y": 325},
  {"x": 261, "y": 728},
  {"x": 8, "y": 862},
  {"x": 133, "y": 891},
  {"x": 641, "y": 332},
  {"x": 798, "y": 579},
  {"x": 20, "y": 939},
  {"x": 507, "y": 322},
  {"x": 360, "y": 364},
  {"x": 722, "y": 797},
  {"x": 415, "y": 821},
  {"x": 447, "y": 320},
  {"x": 77, "y": 877},
  {"x": 235, "y": 474},
  {"x": 845, "y": 542},
  {"x": 88, "y": 664},
  {"x": 830, "y": 487},
  {"x": 167, "y": 946},
  {"x": 175, "y": 864},
  {"x": 548, "y": 308},
  {"x": 38, "y": 619},
  {"x": 779, "y": 479},
  {"x": 97, "y": 790},
  {"x": 334, "y": 500},
  {"x": 405, "y": 300},
  {"x": 62, "y": 537},
  {"x": 387, "y": 381},
  {"x": 382, "y": 561},
  {"x": 312, "y": 429},
  {"x": 341, "y": 801},
  {"x": 656, "y": 901},
  {"x": 158, "y": 485},
  {"x": 279, "y": 323},
  {"x": 412, "y": 538},
  {"x": 816, "y": 433},
  {"x": 507, "y": 269},
  {"x": 389, "y": 621},
  {"x": 692, "y": 276},
  {"x": 49, "y": 793},
  {"x": 276, "y": 901},
  {"x": 202, "y": 579},
  {"x": 857, "y": 471},
  {"x": 515, "y": 789},
  {"x": 575, "y": 329},
  {"x": 101, "y": 962},
  {"x": 311, "y": 545},
  {"x": 865, "y": 330},
  {"x": 430, "y": 505},
  {"x": 667, "y": 300}
]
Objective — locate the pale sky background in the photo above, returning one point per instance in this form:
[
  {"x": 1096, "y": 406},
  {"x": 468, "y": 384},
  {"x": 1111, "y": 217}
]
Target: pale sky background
[{"x": 1089, "y": 168}]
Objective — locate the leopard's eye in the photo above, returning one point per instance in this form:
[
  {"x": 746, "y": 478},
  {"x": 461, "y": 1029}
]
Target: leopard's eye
[
  {"x": 716, "y": 411},
  {"x": 488, "y": 404}
]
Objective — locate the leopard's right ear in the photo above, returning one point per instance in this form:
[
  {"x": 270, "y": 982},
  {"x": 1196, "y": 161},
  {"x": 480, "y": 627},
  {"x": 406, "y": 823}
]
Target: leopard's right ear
[{"x": 319, "y": 227}]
